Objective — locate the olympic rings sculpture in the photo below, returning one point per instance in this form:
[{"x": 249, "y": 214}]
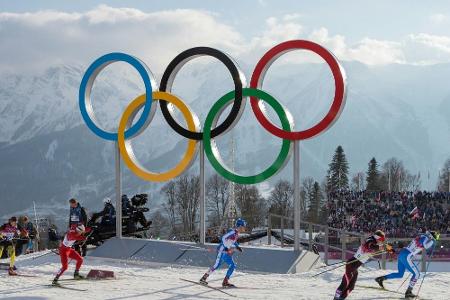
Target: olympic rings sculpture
[{"x": 236, "y": 98}]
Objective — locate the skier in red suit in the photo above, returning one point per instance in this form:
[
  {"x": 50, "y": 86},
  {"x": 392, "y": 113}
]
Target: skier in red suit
[{"x": 76, "y": 233}]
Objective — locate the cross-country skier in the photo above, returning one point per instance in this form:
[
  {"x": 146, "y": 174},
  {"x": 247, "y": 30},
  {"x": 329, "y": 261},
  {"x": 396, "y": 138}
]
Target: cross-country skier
[
  {"x": 424, "y": 241},
  {"x": 66, "y": 251},
  {"x": 225, "y": 253},
  {"x": 372, "y": 245},
  {"x": 8, "y": 233}
]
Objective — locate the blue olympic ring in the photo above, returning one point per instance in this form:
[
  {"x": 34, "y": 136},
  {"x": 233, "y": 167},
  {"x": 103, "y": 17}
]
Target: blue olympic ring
[{"x": 85, "y": 104}]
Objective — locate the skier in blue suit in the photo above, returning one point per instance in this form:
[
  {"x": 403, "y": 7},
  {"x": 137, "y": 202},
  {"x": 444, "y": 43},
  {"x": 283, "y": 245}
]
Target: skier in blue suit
[
  {"x": 225, "y": 253},
  {"x": 425, "y": 241}
]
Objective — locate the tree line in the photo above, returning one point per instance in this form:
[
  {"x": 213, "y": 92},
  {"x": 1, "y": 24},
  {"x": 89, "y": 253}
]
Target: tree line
[
  {"x": 181, "y": 196},
  {"x": 392, "y": 175}
]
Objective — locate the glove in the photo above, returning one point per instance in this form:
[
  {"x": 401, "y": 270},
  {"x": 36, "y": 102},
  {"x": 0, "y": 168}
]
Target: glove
[
  {"x": 239, "y": 249},
  {"x": 1, "y": 236},
  {"x": 390, "y": 249}
]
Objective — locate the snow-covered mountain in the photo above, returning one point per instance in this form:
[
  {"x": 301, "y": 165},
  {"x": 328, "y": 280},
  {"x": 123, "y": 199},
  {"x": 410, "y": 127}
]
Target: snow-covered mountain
[{"x": 48, "y": 155}]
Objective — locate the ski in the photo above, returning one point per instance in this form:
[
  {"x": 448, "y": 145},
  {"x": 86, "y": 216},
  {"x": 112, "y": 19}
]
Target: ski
[
  {"x": 379, "y": 288},
  {"x": 87, "y": 279},
  {"x": 240, "y": 288},
  {"x": 389, "y": 291},
  {"x": 66, "y": 287},
  {"x": 208, "y": 286},
  {"x": 25, "y": 275}
]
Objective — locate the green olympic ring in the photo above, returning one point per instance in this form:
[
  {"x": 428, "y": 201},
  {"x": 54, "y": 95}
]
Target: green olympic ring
[{"x": 213, "y": 154}]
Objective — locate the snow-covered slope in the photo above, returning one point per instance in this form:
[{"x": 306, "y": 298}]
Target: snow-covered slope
[{"x": 136, "y": 281}]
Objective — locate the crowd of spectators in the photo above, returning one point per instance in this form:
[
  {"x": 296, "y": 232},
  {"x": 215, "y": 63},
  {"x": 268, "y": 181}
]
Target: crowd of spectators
[{"x": 399, "y": 214}]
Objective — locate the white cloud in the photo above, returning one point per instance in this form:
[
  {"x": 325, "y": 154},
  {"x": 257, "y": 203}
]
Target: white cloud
[
  {"x": 334, "y": 43},
  {"x": 39, "y": 18},
  {"x": 438, "y": 18},
  {"x": 38, "y": 39},
  {"x": 107, "y": 14},
  {"x": 367, "y": 51},
  {"x": 376, "y": 52},
  {"x": 427, "y": 49},
  {"x": 45, "y": 37},
  {"x": 276, "y": 31},
  {"x": 441, "y": 43}
]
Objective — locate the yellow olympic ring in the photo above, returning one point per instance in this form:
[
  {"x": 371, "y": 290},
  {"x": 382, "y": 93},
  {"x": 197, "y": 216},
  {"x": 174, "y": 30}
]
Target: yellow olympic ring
[{"x": 126, "y": 149}]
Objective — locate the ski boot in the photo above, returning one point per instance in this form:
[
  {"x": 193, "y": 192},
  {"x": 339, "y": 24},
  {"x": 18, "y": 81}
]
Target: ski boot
[
  {"x": 380, "y": 280},
  {"x": 55, "y": 281},
  {"x": 227, "y": 284},
  {"x": 11, "y": 272},
  {"x": 338, "y": 296},
  {"x": 203, "y": 279},
  {"x": 77, "y": 276},
  {"x": 409, "y": 293}
]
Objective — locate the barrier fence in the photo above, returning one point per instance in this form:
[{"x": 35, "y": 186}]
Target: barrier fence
[{"x": 331, "y": 240}]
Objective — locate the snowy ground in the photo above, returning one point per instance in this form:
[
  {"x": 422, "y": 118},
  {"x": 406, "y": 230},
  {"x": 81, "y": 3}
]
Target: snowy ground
[{"x": 143, "y": 282}]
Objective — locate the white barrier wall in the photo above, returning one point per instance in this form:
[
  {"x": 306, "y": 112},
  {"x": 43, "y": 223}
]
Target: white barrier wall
[{"x": 253, "y": 259}]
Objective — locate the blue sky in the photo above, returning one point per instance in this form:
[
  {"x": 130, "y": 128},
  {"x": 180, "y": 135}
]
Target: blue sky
[{"x": 374, "y": 33}]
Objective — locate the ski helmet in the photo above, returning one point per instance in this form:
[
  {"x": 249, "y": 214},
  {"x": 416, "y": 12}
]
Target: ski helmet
[
  {"x": 436, "y": 235},
  {"x": 107, "y": 200},
  {"x": 379, "y": 235},
  {"x": 80, "y": 228},
  {"x": 241, "y": 223}
]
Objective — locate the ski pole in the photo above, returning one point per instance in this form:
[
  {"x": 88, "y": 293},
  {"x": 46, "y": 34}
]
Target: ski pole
[
  {"x": 426, "y": 271},
  {"x": 190, "y": 246},
  {"x": 340, "y": 262},
  {"x": 347, "y": 263},
  {"x": 409, "y": 275},
  {"x": 42, "y": 255},
  {"x": 190, "y": 249},
  {"x": 337, "y": 263}
]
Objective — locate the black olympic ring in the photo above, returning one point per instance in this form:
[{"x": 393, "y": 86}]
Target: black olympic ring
[{"x": 239, "y": 82}]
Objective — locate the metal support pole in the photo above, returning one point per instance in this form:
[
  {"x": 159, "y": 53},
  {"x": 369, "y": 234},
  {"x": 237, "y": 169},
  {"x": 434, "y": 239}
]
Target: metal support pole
[
  {"x": 344, "y": 246},
  {"x": 297, "y": 212},
  {"x": 38, "y": 237},
  {"x": 326, "y": 243},
  {"x": 282, "y": 232},
  {"x": 424, "y": 261},
  {"x": 118, "y": 192},
  {"x": 310, "y": 232},
  {"x": 202, "y": 194},
  {"x": 269, "y": 230}
]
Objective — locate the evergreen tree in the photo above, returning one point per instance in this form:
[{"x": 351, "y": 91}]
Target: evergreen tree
[
  {"x": 315, "y": 200},
  {"x": 373, "y": 176},
  {"x": 338, "y": 171}
]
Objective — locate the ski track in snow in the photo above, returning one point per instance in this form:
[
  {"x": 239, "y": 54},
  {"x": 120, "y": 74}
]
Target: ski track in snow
[{"x": 135, "y": 281}]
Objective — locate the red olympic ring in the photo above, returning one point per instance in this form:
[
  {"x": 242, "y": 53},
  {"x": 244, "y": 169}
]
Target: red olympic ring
[{"x": 339, "y": 94}]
